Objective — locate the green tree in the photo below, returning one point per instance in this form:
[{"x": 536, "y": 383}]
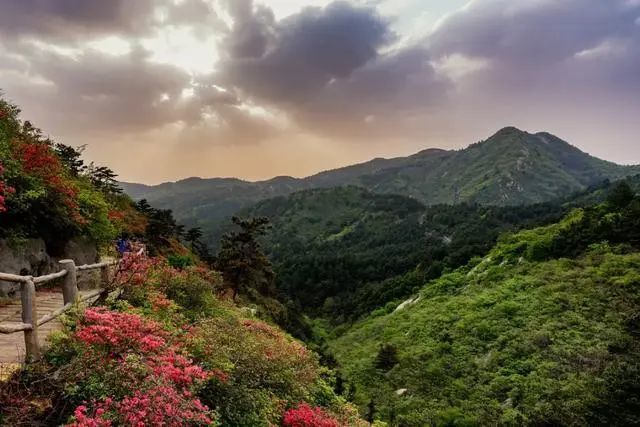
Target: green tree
[
  {"x": 193, "y": 236},
  {"x": 104, "y": 179},
  {"x": 71, "y": 158},
  {"x": 387, "y": 357},
  {"x": 621, "y": 195},
  {"x": 241, "y": 260}
]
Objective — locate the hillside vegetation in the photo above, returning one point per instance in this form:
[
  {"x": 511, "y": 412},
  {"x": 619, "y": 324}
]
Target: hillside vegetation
[
  {"x": 541, "y": 331},
  {"x": 341, "y": 253},
  {"x": 511, "y": 167},
  {"x": 167, "y": 342}
]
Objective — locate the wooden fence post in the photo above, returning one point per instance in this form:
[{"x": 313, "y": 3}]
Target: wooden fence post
[
  {"x": 104, "y": 276},
  {"x": 30, "y": 315},
  {"x": 70, "y": 285}
]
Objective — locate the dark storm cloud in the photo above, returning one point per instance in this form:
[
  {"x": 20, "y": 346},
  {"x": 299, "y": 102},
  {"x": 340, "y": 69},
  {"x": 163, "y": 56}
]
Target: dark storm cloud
[
  {"x": 309, "y": 50},
  {"x": 537, "y": 34},
  {"x": 61, "y": 19},
  {"x": 331, "y": 69},
  {"x": 252, "y": 31},
  {"x": 103, "y": 92}
]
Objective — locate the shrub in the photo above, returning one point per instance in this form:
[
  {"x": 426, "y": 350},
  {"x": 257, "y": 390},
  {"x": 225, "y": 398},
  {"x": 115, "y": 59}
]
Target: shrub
[
  {"x": 306, "y": 416},
  {"x": 180, "y": 261},
  {"x": 267, "y": 370},
  {"x": 128, "y": 370}
]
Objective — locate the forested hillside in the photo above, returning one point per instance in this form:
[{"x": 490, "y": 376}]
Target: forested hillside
[
  {"x": 168, "y": 341},
  {"x": 341, "y": 253},
  {"x": 511, "y": 167},
  {"x": 540, "y": 331},
  {"x": 46, "y": 190}
]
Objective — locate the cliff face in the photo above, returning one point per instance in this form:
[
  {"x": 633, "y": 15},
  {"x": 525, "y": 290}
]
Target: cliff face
[{"x": 30, "y": 257}]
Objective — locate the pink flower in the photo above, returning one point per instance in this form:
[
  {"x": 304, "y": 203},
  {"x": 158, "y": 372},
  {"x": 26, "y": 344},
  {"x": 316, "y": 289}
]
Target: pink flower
[{"x": 306, "y": 416}]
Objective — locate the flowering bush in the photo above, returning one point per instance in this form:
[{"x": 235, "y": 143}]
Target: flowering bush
[
  {"x": 38, "y": 160},
  {"x": 267, "y": 370},
  {"x": 158, "y": 406},
  {"x": 5, "y": 191},
  {"x": 117, "y": 333},
  {"x": 41, "y": 194},
  {"x": 140, "y": 366},
  {"x": 306, "y": 416}
]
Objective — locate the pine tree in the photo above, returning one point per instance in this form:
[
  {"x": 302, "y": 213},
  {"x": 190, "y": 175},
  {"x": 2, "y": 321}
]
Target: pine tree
[
  {"x": 387, "y": 357},
  {"x": 621, "y": 195},
  {"x": 241, "y": 260}
]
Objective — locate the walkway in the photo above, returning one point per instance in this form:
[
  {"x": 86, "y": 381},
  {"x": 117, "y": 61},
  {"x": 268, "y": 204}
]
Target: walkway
[{"x": 12, "y": 348}]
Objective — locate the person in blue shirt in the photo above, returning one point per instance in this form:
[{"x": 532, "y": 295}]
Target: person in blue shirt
[{"x": 122, "y": 246}]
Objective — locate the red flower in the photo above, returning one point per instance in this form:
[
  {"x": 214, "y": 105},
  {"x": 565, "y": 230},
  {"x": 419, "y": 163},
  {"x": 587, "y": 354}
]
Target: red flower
[
  {"x": 306, "y": 416},
  {"x": 120, "y": 332},
  {"x": 5, "y": 190},
  {"x": 164, "y": 391}
]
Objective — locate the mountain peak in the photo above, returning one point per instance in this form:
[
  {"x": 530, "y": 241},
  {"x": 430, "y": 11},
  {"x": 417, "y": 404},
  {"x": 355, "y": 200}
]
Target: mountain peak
[{"x": 509, "y": 131}]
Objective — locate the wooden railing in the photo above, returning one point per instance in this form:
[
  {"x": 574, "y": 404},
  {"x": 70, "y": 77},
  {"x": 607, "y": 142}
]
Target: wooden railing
[{"x": 70, "y": 296}]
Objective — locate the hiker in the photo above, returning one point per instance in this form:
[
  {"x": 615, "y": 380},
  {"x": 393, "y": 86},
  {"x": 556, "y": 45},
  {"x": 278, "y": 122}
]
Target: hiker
[{"x": 123, "y": 246}]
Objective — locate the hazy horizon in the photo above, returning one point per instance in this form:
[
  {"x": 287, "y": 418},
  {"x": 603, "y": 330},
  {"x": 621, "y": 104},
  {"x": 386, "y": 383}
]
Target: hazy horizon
[
  {"x": 268, "y": 178},
  {"x": 164, "y": 90}
]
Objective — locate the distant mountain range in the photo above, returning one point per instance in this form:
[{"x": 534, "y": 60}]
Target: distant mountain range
[{"x": 512, "y": 167}]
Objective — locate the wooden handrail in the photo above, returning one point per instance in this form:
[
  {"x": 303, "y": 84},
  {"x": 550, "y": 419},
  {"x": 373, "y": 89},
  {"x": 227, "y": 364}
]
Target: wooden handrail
[
  {"x": 15, "y": 327},
  {"x": 96, "y": 266},
  {"x": 6, "y": 277},
  {"x": 30, "y": 321},
  {"x": 49, "y": 277}
]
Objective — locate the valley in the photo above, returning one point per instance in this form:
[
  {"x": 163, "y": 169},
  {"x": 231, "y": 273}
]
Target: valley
[{"x": 460, "y": 288}]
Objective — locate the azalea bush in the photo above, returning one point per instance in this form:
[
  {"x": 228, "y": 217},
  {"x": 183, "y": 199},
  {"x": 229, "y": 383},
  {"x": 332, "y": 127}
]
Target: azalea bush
[
  {"x": 306, "y": 416},
  {"x": 267, "y": 370},
  {"x": 145, "y": 281},
  {"x": 47, "y": 192},
  {"x": 166, "y": 351},
  {"x": 124, "y": 369}
]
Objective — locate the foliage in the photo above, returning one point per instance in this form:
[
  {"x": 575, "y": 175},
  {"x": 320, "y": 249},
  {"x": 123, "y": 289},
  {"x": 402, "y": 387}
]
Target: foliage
[
  {"x": 342, "y": 253},
  {"x": 523, "y": 336},
  {"x": 266, "y": 370},
  {"x": 46, "y": 191},
  {"x": 387, "y": 357},
  {"x": 180, "y": 261},
  {"x": 241, "y": 260},
  {"x": 146, "y": 361},
  {"x": 306, "y": 416},
  {"x": 124, "y": 369}
]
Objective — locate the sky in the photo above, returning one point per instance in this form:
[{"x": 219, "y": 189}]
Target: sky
[{"x": 161, "y": 90}]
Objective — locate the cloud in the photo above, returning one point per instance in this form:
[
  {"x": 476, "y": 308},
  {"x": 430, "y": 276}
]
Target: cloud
[
  {"x": 337, "y": 75},
  {"x": 535, "y": 33},
  {"x": 309, "y": 49},
  {"x": 333, "y": 70},
  {"x": 252, "y": 30},
  {"x": 569, "y": 66},
  {"x": 70, "y": 19}
]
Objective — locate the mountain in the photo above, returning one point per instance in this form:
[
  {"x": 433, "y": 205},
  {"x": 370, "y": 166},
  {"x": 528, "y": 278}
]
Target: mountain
[
  {"x": 340, "y": 253},
  {"x": 512, "y": 167},
  {"x": 543, "y": 330}
]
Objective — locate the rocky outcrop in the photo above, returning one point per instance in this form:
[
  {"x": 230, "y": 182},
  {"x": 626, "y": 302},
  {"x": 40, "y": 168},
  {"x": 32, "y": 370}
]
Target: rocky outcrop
[{"x": 30, "y": 257}]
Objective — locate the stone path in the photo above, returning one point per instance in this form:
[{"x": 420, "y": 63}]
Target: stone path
[{"x": 12, "y": 348}]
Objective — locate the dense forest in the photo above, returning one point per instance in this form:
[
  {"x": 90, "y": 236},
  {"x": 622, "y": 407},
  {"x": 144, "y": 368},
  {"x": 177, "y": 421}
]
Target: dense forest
[
  {"x": 540, "y": 331},
  {"x": 340, "y": 253}
]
